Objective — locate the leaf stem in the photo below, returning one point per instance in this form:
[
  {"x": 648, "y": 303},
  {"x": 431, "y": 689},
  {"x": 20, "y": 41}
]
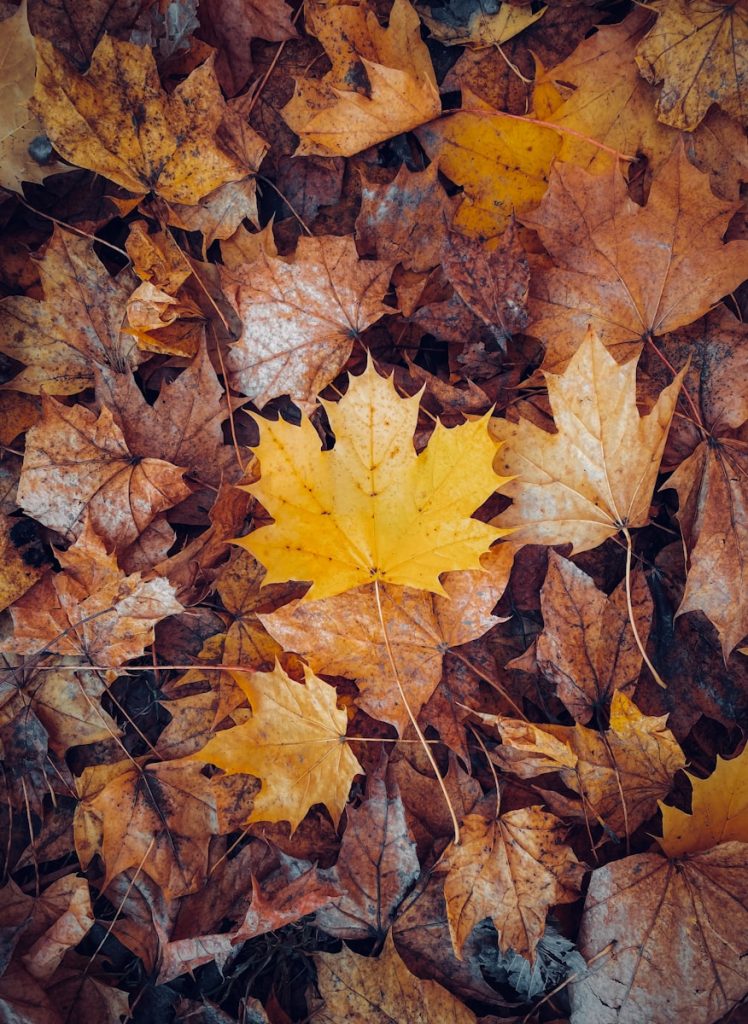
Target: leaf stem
[
  {"x": 412, "y": 717},
  {"x": 657, "y": 677}
]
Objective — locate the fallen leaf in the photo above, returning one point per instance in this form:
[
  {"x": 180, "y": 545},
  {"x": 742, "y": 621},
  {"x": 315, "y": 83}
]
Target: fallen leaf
[
  {"x": 381, "y": 990},
  {"x": 719, "y": 810},
  {"x": 512, "y": 869},
  {"x": 67, "y": 906},
  {"x": 76, "y": 462},
  {"x": 169, "y": 147},
  {"x": 16, "y": 577},
  {"x": 231, "y": 25},
  {"x": 76, "y": 327},
  {"x": 587, "y": 648},
  {"x": 697, "y": 50},
  {"x": 157, "y": 819},
  {"x": 665, "y": 940},
  {"x": 501, "y": 162},
  {"x": 392, "y": 68},
  {"x": 77, "y": 29},
  {"x": 612, "y": 103},
  {"x": 371, "y": 509},
  {"x": 713, "y": 513},
  {"x": 294, "y": 742},
  {"x": 376, "y": 866},
  {"x": 19, "y": 127},
  {"x": 342, "y": 635},
  {"x": 91, "y": 609},
  {"x": 406, "y": 220},
  {"x": 628, "y": 270},
  {"x": 596, "y": 474},
  {"x": 300, "y": 319},
  {"x": 619, "y": 774},
  {"x": 183, "y": 426}
]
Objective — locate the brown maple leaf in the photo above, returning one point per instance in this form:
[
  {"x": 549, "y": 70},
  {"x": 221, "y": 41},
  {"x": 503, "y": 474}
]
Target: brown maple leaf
[
  {"x": 77, "y": 463},
  {"x": 300, "y": 318},
  {"x": 91, "y": 609},
  {"x": 512, "y": 869},
  {"x": 628, "y": 270},
  {"x": 77, "y": 326}
]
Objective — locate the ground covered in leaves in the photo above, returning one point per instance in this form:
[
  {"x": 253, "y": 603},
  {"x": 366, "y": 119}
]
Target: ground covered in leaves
[{"x": 437, "y": 311}]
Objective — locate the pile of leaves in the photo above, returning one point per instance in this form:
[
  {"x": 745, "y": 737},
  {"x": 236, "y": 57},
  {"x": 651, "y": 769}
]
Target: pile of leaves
[{"x": 374, "y": 511}]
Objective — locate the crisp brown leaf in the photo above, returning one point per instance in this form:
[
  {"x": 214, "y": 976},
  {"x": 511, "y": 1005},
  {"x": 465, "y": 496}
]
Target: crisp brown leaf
[
  {"x": 512, "y": 869},
  {"x": 342, "y": 635},
  {"x": 299, "y": 319},
  {"x": 231, "y": 25},
  {"x": 91, "y": 609},
  {"x": 677, "y": 930},
  {"x": 381, "y": 990},
  {"x": 77, "y": 463},
  {"x": 628, "y": 270},
  {"x": 77, "y": 326},
  {"x": 376, "y": 866},
  {"x": 76, "y": 29},
  {"x": 587, "y": 647}
]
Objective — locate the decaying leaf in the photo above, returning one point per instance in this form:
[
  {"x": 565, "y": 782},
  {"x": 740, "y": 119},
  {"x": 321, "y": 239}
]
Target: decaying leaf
[
  {"x": 587, "y": 646},
  {"x": 77, "y": 327},
  {"x": 667, "y": 939},
  {"x": 300, "y": 318},
  {"x": 371, "y": 509},
  {"x": 719, "y": 811},
  {"x": 294, "y": 741},
  {"x": 698, "y": 51},
  {"x": 381, "y": 990},
  {"x": 117, "y": 121},
  {"x": 629, "y": 270},
  {"x": 596, "y": 474},
  {"x": 77, "y": 463},
  {"x": 511, "y": 869},
  {"x": 381, "y": 83},
  {"x": 342, "y": 635},
  {"x": 456, "y": 24}
]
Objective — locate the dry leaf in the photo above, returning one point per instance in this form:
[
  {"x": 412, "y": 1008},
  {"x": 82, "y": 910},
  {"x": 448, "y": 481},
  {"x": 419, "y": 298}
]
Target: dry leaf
[
  {"x": 342, "y": 635},
  {"x": 512, "y": 870},
  {"x": 91, "y": 610},
  {"x": 587, "y": 647},
  {"x": 16, "y": 577},
  {"x": 479, "y": 27},
  {"x": 77, "y": 327},
  {"x": 294, "y": 742},
  {"x": 371, "y": 509},
  {"x": 719, "y": 810},
  {"x": 376, "y": 866},
  {"x": 698, "y": 51},
  {"x": 381, "y": 990},
  {"x": 392, "y": 68},
  {"x": 77, "y": 463},
  {"x": 596, "y": 474},
  {"x": 667, "y": 939},
  {"x": 629, "y": 270},
  {"x": 300, "y": 319},
  {"x": 115, "y": 120}
]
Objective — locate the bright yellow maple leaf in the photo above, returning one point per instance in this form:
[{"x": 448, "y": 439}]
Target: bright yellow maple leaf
[
  {"x": 294, "y": 742},
  {"x": 719, "y": 810},
  {"x": 371, "y": 508}
]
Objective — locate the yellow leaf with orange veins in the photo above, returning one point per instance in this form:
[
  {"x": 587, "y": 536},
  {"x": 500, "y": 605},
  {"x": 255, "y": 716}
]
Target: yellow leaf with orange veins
[
  {"x": 392, "y": 68},
  {"x": 502, "y": 163},
  {"x": 719, "y": 810},
  {"x": 371, "y": 508},
  {"x": 116, "y": 120},
  {"x": 512, "y": 870},
  {"x": 596, "y": 474},
  {"x": 294, "y": 742}
]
